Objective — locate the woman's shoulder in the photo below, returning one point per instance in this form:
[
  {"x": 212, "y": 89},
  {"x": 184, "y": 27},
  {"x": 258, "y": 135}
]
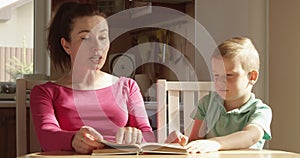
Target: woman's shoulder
[
  {"x": 42, "y": 85},
  {"x": 48, "y": 86},
  {"x": 125, "y": 81}
]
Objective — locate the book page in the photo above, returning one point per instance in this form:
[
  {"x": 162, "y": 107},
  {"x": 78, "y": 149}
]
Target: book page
[
  {"x": 116, "y": 145},
  {"x": 115, "y": 151},
  {"x": 114, "y": 148},
  {"x": 151, "y": 147},
  {"x": 163, "y": 148}
]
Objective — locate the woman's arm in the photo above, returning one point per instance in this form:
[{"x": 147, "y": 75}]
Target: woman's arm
[
  {"x": 138, "y": 117},
  {"x": 46, "y": 125}
]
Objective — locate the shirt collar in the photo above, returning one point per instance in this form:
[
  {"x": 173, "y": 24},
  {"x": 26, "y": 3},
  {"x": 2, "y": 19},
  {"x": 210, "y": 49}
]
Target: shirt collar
[{"x": 244, "y": 108}]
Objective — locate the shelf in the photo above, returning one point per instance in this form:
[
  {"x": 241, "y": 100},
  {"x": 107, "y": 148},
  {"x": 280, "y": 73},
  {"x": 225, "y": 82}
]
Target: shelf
[{"x": 4, "y": 96}]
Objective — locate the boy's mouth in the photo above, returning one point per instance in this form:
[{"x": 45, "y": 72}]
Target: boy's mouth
[{"x": 222, "y": 91}]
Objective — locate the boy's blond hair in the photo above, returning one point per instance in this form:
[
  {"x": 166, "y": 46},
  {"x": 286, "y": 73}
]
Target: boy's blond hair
[{"x": 241, "y": 47}]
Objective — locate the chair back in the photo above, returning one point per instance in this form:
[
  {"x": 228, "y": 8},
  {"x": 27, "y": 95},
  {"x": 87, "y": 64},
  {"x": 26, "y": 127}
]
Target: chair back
[
  {"x": 26, "y": 139},
  {"x": 175, "y": 102}
]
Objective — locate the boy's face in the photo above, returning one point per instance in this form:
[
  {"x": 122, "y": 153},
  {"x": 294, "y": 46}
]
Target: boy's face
[{"x": 231, "y": 80}]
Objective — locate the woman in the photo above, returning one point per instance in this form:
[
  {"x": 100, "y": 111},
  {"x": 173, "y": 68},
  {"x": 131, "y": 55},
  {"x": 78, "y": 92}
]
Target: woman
[{"x": 86, "y": 104}]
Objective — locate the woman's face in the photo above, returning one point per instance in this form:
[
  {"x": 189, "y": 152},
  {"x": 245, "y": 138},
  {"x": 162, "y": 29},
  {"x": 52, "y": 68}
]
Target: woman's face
[{"x": 89, "y": 42}]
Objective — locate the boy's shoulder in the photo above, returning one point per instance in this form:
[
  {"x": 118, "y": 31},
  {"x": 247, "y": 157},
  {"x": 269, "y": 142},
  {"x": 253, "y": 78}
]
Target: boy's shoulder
[
  {"x": 214, "y": 99},
  {"x": 254, "y": 104}
]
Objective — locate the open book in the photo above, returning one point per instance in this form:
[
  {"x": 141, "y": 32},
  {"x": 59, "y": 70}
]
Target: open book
[{"x": 114, "y": 148}]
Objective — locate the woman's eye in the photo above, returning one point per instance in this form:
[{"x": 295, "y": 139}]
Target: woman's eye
[
  {"x": 84, "y": 38},
  {"x": 103, "y": 38}
]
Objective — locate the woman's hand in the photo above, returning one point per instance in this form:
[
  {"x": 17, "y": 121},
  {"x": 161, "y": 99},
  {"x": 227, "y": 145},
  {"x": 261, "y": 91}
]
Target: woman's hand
[
  {"x": 203, "y": 146},
  {"x": 177, "y": 137},
  {"x": 85, "y": 140},
  {"x": 129, "y": 135}
]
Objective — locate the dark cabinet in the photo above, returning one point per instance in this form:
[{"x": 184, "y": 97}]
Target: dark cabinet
[{"x": 7, "y": 132}]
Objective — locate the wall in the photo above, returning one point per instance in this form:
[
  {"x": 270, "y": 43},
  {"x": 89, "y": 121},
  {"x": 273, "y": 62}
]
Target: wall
[
  {"x": 223, "y": 20},
  {"x": 12, "y": 35},
  {"x": 274, "y": 27},
  {"x": 284, "y": 33}
]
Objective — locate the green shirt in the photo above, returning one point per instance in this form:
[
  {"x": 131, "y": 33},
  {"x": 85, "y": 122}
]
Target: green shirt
[{"x": 220, "y": 122}]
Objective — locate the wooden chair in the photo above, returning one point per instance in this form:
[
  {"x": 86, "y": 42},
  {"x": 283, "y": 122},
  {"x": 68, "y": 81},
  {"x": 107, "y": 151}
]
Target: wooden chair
[
  {"x": 26, "y": 139},
  {"x": 175, "y": 102}
]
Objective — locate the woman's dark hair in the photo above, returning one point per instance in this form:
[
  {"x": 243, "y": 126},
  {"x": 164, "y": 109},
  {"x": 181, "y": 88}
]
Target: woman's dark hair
[{"x": 61, "y": 27}]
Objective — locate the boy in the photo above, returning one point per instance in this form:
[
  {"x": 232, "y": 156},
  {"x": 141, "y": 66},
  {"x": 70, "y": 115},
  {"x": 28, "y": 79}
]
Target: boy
[{"x": 231, "y": 117}]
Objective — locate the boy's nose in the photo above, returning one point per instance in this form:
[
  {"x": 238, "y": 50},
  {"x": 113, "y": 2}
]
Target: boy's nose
[{"x": 220, "y": 82}]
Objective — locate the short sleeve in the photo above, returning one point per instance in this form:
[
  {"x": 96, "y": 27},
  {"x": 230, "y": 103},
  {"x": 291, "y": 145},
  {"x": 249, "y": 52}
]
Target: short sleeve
[
  {"x": 263, "y": 117},
  {"x": 199, "y": 111}
]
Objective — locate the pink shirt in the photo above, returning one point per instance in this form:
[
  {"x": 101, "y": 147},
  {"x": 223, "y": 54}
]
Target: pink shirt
[{"x": 58, "y": 112}]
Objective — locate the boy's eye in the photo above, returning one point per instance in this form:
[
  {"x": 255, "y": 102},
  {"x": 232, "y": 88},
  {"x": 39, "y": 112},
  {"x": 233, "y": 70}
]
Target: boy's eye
[
  {"x": 229, "y": 75},
  {"x": 218, "y": 76},
  {"x": 223, "y": 77}
]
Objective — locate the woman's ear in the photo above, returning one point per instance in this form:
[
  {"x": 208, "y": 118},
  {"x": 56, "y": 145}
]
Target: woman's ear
[
  {"x": 65, "y": 44},
  {"x": 253, "y": 76}
]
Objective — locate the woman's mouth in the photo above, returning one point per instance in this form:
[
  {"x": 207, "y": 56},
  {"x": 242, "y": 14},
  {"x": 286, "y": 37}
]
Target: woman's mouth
[{"x": 96, "y": 59}]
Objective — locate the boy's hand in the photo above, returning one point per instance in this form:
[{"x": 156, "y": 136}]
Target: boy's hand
[
  {"x": 129, "y": 135},
  {"x": 202, "y": 146},
  {"x": 177, "y": 137}
]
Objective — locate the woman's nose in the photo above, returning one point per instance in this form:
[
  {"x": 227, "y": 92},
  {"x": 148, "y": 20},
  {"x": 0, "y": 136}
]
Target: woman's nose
[
  {"x": 97, "y": 49},
  {"x": 99, "y": 45}
]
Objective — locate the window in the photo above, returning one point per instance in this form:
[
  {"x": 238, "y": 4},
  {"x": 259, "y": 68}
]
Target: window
[
  {"x": 16, "y": 43},
  {"x": 16, "y": 40}
]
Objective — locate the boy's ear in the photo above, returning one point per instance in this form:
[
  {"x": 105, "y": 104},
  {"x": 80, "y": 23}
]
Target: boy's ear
[
  {"x": 65, "y": 44},
  {"x": 253, "y": 76}
]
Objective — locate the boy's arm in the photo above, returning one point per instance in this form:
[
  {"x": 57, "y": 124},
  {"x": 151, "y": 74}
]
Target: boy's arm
[
  {"x": 198, "y": 130},
  {"x": 241, "y": 139},
  {"x": 238, "y": 140},
  {"x": 177, "y": 137}
]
